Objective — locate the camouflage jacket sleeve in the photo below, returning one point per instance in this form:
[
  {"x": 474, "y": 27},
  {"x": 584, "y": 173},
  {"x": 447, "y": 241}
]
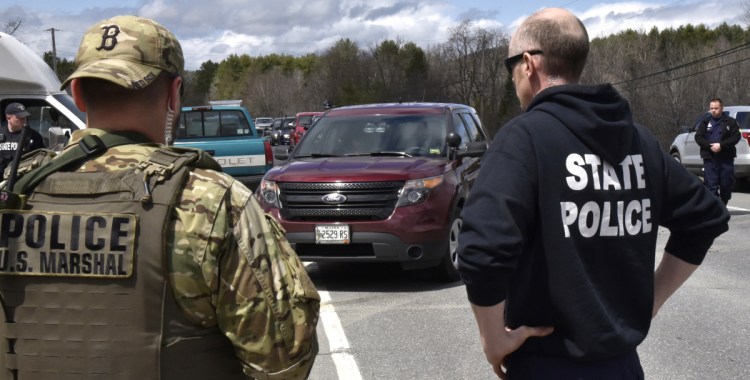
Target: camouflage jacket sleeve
[{"x": 243, "y": 277}]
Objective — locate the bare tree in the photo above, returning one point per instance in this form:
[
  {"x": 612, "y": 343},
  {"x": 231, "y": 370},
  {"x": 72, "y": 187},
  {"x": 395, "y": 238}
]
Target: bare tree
[
  {"x": 469, "y": 67},
  {"x": 12, "y": 25},
  {"x": 746, "y": 13}
]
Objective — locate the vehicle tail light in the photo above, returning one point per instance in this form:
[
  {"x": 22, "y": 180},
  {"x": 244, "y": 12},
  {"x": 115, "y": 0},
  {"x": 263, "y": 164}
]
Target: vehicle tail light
[
  {"x": 269, "y": 152},
  {"x": 746, "y": 136}
]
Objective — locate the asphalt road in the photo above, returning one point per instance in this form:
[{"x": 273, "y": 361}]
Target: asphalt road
[{"x": 378, "y": 322}]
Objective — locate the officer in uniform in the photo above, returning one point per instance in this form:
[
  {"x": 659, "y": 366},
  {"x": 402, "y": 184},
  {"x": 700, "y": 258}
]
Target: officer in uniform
[
  {"x": 717, "y": 135},
  {"x": 133, "y": 260},
  {"x": 16, "y": 116}
]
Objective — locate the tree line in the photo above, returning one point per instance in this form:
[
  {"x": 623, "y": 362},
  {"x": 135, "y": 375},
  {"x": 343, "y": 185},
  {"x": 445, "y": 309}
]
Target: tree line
[{"x": 668, "y": 76}]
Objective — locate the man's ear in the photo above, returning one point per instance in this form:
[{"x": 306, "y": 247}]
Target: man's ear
[
  {"x": 529, "y": 65},
  {"x": 174, "y": 93},
  {"x": 75, "y": 90}
]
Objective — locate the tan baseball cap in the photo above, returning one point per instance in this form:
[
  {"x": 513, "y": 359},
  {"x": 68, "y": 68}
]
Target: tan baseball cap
[{"x": 128, "y": 50}]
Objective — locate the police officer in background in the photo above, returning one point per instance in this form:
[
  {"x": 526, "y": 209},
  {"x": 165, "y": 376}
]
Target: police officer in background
[
  {"x": 10, "y": 135},
  {"x": 717, "y": 136},
  {"x": 133, "y": 260}
]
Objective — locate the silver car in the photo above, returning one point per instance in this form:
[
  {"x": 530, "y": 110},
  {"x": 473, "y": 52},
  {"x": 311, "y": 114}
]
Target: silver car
[
  {"x": 685, "y": 150},
  {"x": 263, "y": 124}
]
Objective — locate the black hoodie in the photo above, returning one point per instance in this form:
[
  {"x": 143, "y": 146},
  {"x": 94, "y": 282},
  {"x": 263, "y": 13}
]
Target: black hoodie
[{"x": 563, "y": 219}]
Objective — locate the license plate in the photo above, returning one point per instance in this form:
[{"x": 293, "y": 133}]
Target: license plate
[{"x": 332, "y": 234}]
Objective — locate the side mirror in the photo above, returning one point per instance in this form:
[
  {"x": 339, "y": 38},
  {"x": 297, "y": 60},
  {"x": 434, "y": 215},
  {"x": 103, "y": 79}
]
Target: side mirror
[
  {"x": 473, "y": 149},
  {"x": 453, "y": 140},
  {"x": 58, "y": 138}
]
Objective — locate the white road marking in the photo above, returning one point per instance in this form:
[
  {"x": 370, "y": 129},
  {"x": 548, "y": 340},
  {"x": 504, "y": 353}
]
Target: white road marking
[
  {"x": 732, "y": 208},
  {"x": 346, "y": 366}
]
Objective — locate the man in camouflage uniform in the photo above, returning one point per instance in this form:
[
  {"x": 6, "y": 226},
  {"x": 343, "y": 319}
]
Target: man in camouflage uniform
[{"x": 227, "y": 266}]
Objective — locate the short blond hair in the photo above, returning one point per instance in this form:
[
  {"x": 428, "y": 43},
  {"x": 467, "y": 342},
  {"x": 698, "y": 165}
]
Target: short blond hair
[{"x": 562, "y": 38}]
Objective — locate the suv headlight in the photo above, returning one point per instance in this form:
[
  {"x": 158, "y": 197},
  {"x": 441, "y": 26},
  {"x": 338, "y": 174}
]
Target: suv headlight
[
  {"x": 416, "y": 190},
  {"x": 269, "y": 193}
]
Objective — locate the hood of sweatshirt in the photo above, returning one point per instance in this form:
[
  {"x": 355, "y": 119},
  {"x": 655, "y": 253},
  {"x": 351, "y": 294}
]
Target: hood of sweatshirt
[{"x": 597, "y": 115}]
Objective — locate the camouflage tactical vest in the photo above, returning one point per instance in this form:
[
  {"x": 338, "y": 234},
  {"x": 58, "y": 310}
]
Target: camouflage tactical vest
[{"x": 84, "y": 285}]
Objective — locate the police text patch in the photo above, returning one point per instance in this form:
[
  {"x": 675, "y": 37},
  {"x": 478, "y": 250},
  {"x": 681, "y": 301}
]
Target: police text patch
[{"x": 34, "y": 243}]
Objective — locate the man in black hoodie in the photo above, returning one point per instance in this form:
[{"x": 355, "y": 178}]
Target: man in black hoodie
[
  {"x": 717, "y": 136},
  {"x": 557, "y": 248}
]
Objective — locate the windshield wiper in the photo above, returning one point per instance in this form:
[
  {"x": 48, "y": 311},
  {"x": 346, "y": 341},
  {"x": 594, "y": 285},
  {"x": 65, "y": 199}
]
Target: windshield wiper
[
  {"x": 387, "y": 153},
  {"x": 380, "y": 154},
  {"x": 318, "y": 155}
]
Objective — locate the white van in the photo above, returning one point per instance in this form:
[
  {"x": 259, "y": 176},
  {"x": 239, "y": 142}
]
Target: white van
[
  {"x": 25, "y": 78},
  {"x": 685, "y": 150}
]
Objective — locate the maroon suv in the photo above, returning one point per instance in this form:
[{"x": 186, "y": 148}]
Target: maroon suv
[{"x": 379, "y": 182}]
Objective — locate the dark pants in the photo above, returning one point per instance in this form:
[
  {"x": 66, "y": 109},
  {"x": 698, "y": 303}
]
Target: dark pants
[
  {"x": 718, "y": 176},
  {"x": 528, "y": 366}
]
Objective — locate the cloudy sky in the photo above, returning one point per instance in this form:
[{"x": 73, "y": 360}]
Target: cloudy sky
[{"x": 213, "y": 29}]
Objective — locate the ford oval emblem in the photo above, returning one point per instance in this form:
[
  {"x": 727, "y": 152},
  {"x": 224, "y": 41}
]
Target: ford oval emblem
[{"x": 334, "y": 198}]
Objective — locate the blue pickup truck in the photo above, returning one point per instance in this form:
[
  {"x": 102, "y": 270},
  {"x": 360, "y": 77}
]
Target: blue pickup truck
[{"x": 226, "y": 130}]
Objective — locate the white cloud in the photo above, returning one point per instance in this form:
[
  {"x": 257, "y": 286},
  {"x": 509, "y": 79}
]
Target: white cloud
[
  {"x": 605, "y": 19},
  {"x": 299, "y": 28},
  {"x": 212, "y": 29}
]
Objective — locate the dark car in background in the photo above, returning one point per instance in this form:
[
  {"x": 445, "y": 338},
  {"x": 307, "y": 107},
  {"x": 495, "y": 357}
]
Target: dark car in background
[
  {"x": 379, "y": 183},
  {"x": 281, "y": 130}
]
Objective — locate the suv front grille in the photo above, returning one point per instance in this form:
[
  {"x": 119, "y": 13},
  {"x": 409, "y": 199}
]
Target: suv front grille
[{"x": 364, "y": 200}]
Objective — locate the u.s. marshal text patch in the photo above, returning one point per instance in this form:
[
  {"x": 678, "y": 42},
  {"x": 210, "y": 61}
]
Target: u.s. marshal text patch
[{"x": 34, "y": 243}]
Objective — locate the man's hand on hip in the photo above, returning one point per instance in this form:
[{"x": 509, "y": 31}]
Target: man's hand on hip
[{"x": 499, "y": 341}]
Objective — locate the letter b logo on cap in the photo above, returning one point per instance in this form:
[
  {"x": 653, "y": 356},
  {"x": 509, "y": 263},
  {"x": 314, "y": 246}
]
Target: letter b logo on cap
[{"x": 109, "y": 37}]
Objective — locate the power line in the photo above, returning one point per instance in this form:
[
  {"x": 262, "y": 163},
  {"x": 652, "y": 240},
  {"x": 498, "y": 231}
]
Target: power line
[
  {"x": 720, "y": 54},
  {"x": 688, "y": 64},
  {"x": 687, "y": 76}
]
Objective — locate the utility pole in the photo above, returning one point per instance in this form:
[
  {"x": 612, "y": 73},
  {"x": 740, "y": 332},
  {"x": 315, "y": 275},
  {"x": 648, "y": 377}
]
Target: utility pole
[{"x": 54, "y": 51}]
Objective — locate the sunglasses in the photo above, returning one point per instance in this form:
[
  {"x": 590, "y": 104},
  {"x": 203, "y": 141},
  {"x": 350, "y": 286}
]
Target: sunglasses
[{"x": 510, "y": 62}]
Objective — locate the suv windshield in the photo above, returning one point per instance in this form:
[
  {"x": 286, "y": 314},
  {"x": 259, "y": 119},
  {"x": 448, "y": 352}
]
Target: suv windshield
[{"x": 412, "y": 135}]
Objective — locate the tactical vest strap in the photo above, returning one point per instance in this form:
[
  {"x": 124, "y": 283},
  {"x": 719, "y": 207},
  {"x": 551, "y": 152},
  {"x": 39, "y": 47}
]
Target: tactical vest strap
[
  {"x": 167, "y": 160},
  {"x": 199, "y": 158},
  {"x": 163, "y": 162},
  {"x": 89, "y": 146}
]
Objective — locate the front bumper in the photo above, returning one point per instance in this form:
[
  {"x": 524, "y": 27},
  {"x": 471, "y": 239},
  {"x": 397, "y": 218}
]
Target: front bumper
[{"x": 370, "y": 247}]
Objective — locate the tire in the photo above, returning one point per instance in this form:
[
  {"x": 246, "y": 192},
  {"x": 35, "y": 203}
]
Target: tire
[
  {"x": 447, "y": 270},
  {"x": 676, "y": 156}
]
